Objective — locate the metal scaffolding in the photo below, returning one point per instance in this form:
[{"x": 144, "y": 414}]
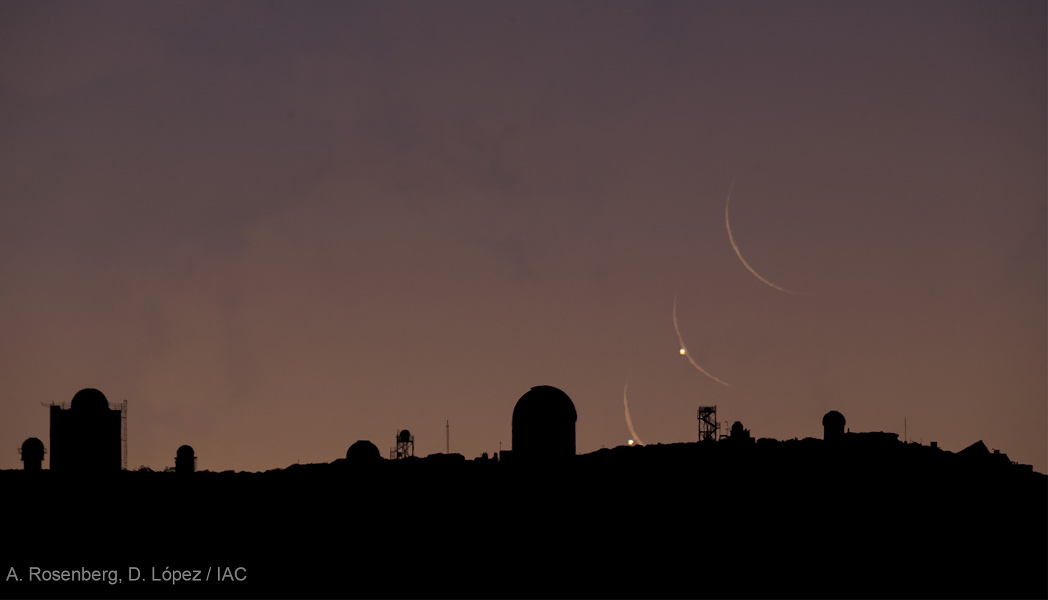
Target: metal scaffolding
[
  {"x": 709, "y": 428},
  {"x": 405, "y": 446}
]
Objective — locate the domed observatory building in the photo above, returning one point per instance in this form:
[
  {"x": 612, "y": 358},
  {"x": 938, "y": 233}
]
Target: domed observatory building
[
  {"x": 833, "y": 426},
  {"x": 185, "y": 460},
  {"x": 87, "y": 437},
  {"x": 363, "y": 451},
  {"x": 544, "y": 425},
  {"x": 32, "y": 452}
]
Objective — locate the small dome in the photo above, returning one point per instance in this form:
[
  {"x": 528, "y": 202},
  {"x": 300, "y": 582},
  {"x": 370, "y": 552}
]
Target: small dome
[
  {"x": 833, "y": 419},
  {"x": 89, "y": 399},
  {"x": 833, "y": 426},
  {"x": 404, "y": 436},
  {"x": 185, "y": 462},
  {"x": 32, "y": 454},
  {"x": 32, "y": 447},
  {"x": 363, "y": 451}
]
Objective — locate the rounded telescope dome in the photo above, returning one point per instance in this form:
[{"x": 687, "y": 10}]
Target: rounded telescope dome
[
  {"x": 544, "y": 424},
  {"x": 833, "y": 418},
  {"x": 89, "y": 399},
  {"x": 185, "y": 461},
  {"x": 404, "y": 436},
  {"x": 32, "y": 447},
  {"x": 363, "y": 451},
  {"x": 833, "y": 425},
  {"x": 32, "y": 454}
]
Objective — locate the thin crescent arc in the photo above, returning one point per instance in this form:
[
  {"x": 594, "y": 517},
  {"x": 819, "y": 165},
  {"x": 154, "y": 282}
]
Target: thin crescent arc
[
  {"x": 680, "y": 338},
  {"x": 629, "y": 421},
  {"x": 731, "y": 238}
]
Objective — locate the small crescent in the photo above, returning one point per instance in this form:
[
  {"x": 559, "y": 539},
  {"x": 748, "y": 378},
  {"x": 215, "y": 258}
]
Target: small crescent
[
  {"x": 731, "y": 238},
  {"x": 629, "y": 421},
  {"x": 680, "y": 338}
]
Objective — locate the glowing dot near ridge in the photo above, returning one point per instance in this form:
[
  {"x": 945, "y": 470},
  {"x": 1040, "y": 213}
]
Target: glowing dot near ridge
[
  {"x": 683, "y": 351},
  {"x": 631, "y": 442}
]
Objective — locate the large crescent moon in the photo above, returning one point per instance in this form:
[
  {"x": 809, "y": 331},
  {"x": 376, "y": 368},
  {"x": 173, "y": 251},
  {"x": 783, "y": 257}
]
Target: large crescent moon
[
  {"x": 731, "y": 238},
  {"x": 684, "y": 349},
  {"x": 629, "y": 421}
]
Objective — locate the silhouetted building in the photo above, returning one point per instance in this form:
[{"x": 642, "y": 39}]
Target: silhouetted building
[
  {"x": 833, "y": 426},
  {"x": 185, "y": 460},
  {"x": 739, "y": 434},
  {"x": 89, "y": 435},
  {"x": 544, "y": 424},
  {"x": 978, "y": 450},
  {"x": 978, "y": 453},
  {"x": 363, "y": 451},
  {"x": 32, "y": 452}
]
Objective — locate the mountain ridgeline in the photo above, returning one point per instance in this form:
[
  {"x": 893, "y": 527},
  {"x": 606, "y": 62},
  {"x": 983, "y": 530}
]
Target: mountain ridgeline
[
  {"x": 862, "y": 515},
  {"x": 849, "y": 515}
]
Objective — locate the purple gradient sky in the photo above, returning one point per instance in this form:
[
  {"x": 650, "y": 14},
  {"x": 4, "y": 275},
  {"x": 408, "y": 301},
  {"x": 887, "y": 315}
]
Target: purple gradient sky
[{"x": 278, "y": 228}]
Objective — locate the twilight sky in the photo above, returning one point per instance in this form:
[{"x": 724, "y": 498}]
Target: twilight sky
[{"x": 276, "y": 228}]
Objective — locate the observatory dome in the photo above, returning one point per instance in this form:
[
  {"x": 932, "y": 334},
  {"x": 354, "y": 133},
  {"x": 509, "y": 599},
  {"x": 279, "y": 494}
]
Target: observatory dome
[
  {"x": 545, "y": 401},
  {"x": 544, "y": 423},
  {"x": 363, "y": 451},
  {"x": 832, "y": 425},
  {"x": 32, "y": 454},
  {"x": 185, "y": 461},
  {"x": 32, "y": 447},
  {"x": 89, "y": 399}
]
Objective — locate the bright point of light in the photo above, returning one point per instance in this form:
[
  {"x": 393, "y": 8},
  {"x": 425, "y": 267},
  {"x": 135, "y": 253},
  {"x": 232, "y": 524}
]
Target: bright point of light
[
  {"x": 631, "y": 442},
  {"x": 683, "y": 351}
]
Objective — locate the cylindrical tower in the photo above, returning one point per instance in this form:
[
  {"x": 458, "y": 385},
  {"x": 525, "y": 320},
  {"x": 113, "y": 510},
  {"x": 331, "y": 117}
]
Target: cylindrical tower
[
  {"x": 833, "y": 426},
  {"x": 185, "y": 460}
]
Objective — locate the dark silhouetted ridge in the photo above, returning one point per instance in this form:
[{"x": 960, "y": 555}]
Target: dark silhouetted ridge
[{"x": 863, "y": 516}]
